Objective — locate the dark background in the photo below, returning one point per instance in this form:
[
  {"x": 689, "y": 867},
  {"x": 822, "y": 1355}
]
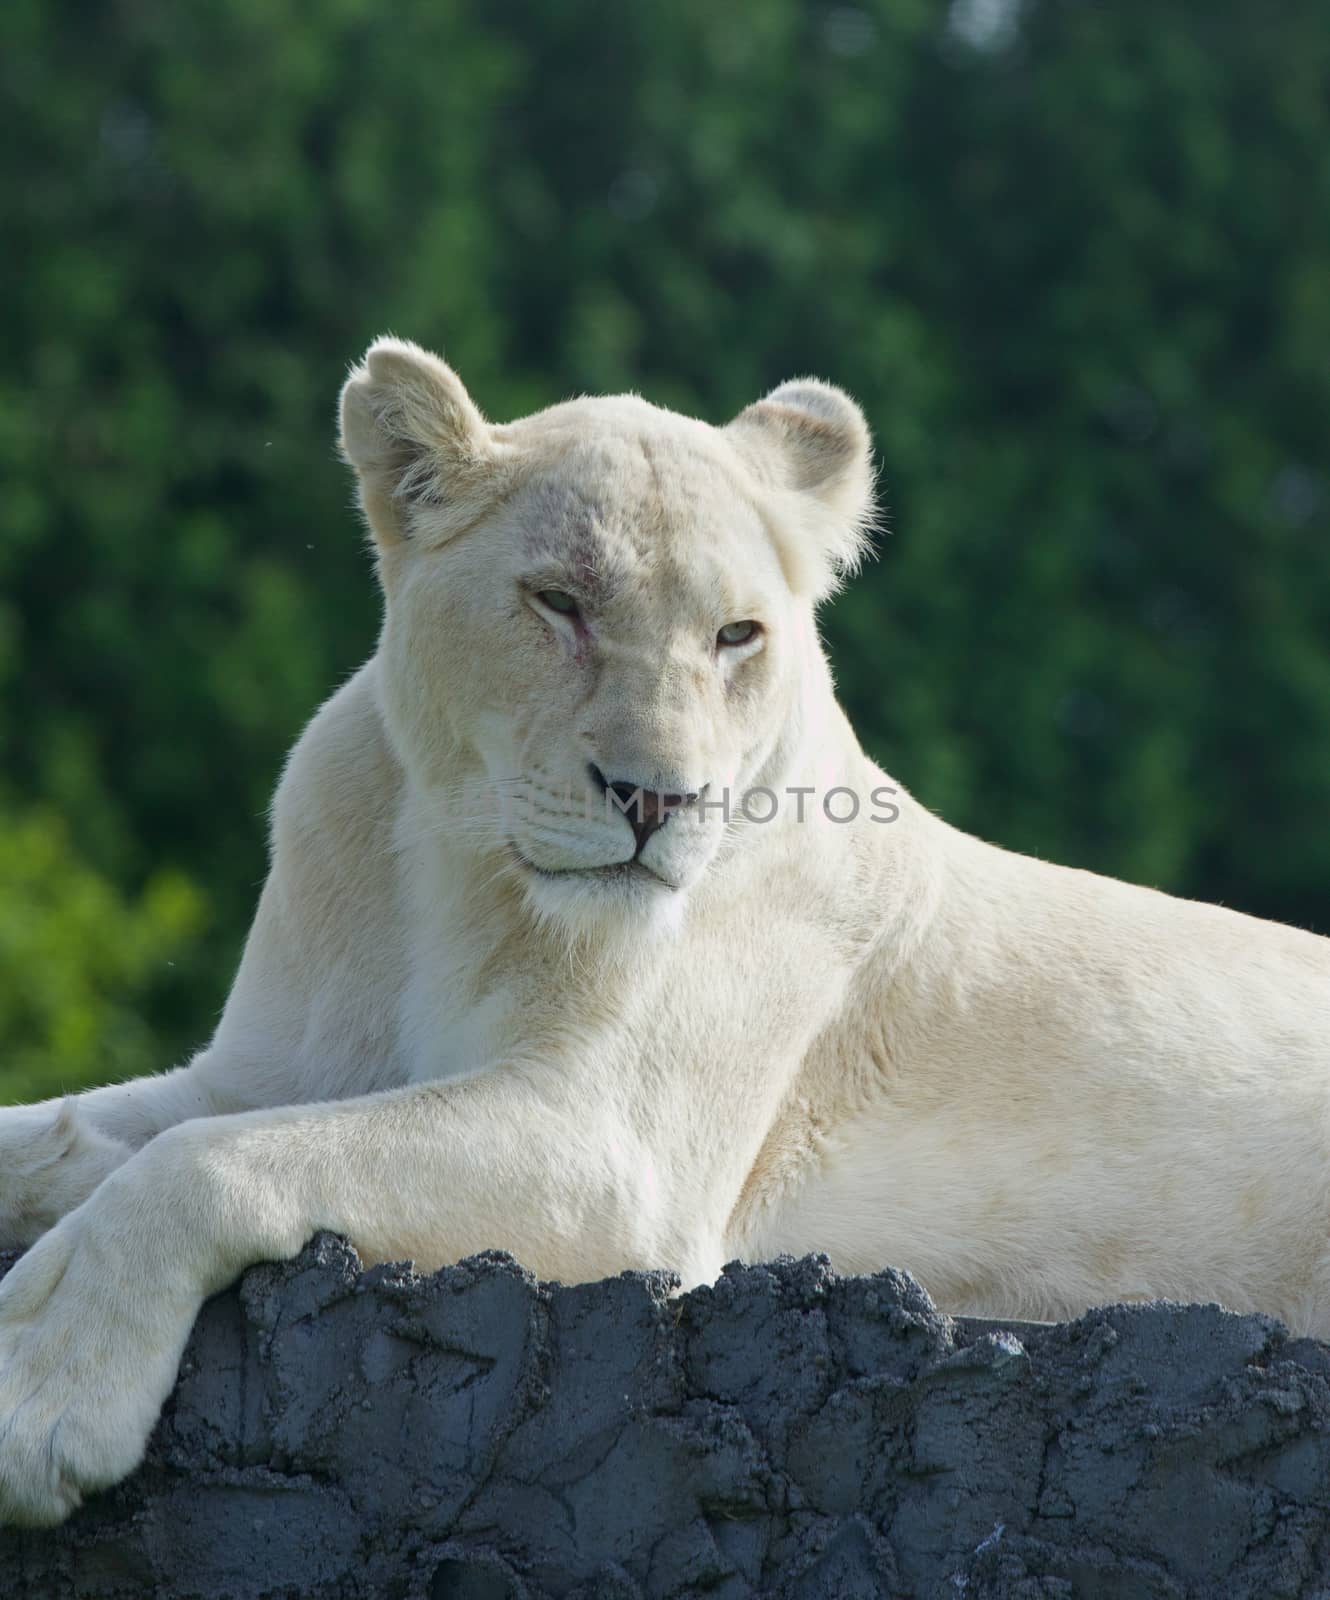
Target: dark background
[{"x": 1073, "y": 257}]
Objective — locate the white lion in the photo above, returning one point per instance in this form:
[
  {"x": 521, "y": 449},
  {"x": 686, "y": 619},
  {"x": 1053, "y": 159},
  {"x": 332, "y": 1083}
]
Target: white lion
[{"x": 591, "y": 933}]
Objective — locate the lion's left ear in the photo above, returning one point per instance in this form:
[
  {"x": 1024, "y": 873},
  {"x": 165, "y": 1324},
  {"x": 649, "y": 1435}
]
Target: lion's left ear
[
  {"x": 423, "y": 453},
  {"x": 810, "y": 438}
]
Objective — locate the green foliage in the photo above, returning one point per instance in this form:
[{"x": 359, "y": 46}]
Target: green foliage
[
  {"x": 1078, "y": 273},
  {"x": 81, "y": 962}
]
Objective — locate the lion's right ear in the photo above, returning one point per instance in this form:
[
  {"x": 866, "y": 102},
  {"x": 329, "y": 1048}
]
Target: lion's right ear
[
  {"x": 423, "y": 453},
  {"x": 810, "y": 438}
]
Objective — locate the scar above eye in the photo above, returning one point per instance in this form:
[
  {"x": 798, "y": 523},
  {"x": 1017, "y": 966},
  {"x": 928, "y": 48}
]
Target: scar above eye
[{"x": 583, "y": 578}]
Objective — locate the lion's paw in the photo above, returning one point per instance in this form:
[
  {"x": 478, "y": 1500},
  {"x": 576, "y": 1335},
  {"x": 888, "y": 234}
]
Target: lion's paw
[
  {"x": 83, "y": 1372},
  {"x": 51, "y": 1160}
]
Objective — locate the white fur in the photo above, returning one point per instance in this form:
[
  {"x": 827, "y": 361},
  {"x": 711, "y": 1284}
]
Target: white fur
[{"x": 464, "y": 1020}]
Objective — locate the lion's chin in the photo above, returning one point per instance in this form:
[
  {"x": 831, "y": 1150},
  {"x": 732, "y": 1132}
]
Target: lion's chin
[{"x": 621, "y": 897}]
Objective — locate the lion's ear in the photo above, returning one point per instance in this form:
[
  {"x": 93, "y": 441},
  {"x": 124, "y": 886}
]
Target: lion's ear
[
  {"x": 810, "y": 438},
  {"x": 420, "y": 448}
]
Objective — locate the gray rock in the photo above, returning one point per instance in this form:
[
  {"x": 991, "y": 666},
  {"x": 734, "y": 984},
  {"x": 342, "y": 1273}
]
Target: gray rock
[{"x": 476, "y": 1435}]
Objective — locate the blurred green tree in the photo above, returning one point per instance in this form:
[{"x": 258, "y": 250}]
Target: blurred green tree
[
  {"x": 82, "y": 962},
  {"x": 1074, "y": 259}
]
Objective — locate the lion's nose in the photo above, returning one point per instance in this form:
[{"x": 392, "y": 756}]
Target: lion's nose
[{"x": 646, "y": 809}]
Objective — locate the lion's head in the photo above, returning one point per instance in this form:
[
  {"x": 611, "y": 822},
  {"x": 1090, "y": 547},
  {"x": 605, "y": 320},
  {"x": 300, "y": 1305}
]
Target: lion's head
[{"x": 599, "y": 624}]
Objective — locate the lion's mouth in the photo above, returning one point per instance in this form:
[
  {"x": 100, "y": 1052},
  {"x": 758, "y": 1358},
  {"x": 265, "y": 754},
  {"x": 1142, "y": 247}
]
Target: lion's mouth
[{"x": 613, "y": 873}]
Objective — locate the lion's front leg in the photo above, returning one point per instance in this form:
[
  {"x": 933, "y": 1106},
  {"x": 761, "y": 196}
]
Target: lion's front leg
[
  {"x": 53, "y": 1155},
  {"x": 94, "y": 1318}
]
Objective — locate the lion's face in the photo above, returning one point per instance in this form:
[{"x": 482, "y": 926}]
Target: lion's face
[
  {"x": 598, "y": 618},
  {"x": 615, "y": 642}
]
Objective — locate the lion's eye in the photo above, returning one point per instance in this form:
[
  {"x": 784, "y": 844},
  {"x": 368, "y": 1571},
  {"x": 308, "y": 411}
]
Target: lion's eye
[
  {"x": 736, "y": 633},
  {"x": 558, "y": 600}
]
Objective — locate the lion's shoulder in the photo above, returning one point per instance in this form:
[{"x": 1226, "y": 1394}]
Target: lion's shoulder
[{"x": 342, "y": 783}]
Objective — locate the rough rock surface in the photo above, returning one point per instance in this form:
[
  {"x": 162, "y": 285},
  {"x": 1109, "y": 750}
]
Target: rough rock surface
[{"x": 476, "y": 1435}]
